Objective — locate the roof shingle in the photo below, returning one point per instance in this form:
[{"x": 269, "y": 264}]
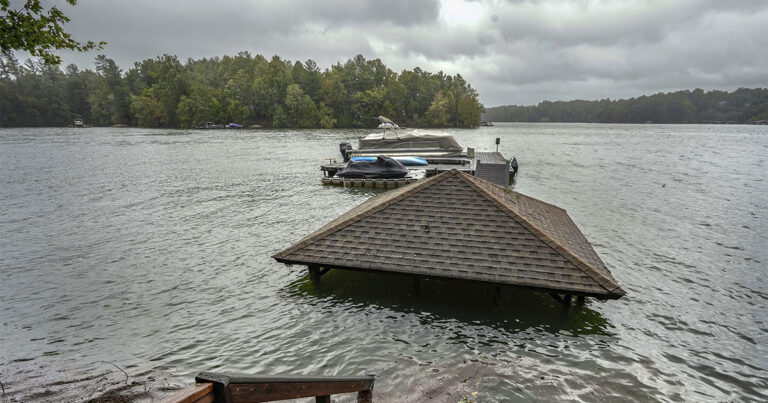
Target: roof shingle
[{"x": 459, "y": 226}]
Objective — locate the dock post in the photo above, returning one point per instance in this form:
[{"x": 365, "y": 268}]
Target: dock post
[
  {"x": 497, "y": 296},
  {"x": 314, "y": 273},
  {"x": 565, "y": 300},
  {"x": 580, "y": 302},
  {"x": 365, "y": 396},
  {"x": 416, "y": 286}
]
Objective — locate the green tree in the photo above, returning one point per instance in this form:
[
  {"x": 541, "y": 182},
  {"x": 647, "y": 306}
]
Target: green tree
[
  {"x": 166, "y": 92},
  {"x": 147, "y": 109},
  {"x": 366, "y": 106},
  {"x": 438, "y": 113},
  {"x": 109, "y": 96},
  {"x": 235, "y": 112},
  {"x": 38, "y": 30},
  {"x": 335, "y": 96},
  {"x": 325, "y": 113},
  {"x": 270, "y": 85},
  {"x": 299, "y": 109},
  {"x": 193, "y": 110},
  {"x": 470, "y": 111}
]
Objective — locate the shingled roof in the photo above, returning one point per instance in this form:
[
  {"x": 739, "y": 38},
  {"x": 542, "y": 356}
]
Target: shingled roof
[{"x": 459, "y": 226}]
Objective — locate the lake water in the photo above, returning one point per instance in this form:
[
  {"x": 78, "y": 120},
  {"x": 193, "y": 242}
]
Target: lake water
[{"x": 149, "y": 250}]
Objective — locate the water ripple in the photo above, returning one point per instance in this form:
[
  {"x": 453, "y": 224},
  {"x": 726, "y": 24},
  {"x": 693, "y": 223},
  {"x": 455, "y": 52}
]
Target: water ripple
[{"x": 151, "y": 249}]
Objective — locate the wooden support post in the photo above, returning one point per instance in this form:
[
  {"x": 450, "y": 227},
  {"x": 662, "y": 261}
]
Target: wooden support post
[
  {"x": 565, "y": 300},
  {"x": 416, "y": 286},
  {"x": 365, "y": 396},
  {"x": 323, "y": 399},
  {"x": 580, "y": 302},
  {"x": 497, "y": 296},
  {"x": 314, "y": 272}
]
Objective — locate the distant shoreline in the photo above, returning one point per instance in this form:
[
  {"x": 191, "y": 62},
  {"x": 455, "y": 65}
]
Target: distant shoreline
[
  {"x": 745, "y": 105},
  {"x": 358, "y": 128}
]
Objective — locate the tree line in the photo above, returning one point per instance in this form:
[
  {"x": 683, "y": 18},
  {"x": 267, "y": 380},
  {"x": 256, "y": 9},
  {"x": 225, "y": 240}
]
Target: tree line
[
  {"x": 743, "y": 105},
  {"x": 166, "y": 93}
]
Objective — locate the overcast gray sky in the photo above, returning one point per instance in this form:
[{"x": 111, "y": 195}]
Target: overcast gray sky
[{"x": 513, "y": 51}]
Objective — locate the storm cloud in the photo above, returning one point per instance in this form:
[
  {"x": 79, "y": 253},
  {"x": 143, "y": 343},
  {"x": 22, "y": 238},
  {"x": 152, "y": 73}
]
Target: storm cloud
[{"x": 513, "y": 52}]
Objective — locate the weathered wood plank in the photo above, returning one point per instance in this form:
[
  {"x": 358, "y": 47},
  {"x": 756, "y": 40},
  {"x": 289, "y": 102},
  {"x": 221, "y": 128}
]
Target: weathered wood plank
[
  {"x": 209, "y": 398},
  {"x": 192, "y": 394},
  {"x": 260, "y": 392}
]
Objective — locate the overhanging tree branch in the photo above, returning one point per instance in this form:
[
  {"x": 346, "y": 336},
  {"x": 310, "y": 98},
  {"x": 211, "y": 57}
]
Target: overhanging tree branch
[{"x": 38, "y": 31}]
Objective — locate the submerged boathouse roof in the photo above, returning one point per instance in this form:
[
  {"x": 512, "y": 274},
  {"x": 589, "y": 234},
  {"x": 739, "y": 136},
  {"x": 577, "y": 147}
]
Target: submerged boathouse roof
[{"x": 459, "y": 226}]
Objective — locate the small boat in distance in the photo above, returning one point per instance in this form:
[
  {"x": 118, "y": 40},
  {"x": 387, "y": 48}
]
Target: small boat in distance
[
  {"x": 210, "y": 125},
  {"x": 79, "y": 122},
  {"x": 486, "y": 123}
]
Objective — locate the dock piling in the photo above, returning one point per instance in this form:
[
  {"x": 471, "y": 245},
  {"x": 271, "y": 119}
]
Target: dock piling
[{"x": 365, "y": 396}]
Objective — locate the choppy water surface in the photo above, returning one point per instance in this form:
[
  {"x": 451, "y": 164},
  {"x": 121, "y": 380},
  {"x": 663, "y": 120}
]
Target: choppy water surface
[{"x": 151, "y": 249}]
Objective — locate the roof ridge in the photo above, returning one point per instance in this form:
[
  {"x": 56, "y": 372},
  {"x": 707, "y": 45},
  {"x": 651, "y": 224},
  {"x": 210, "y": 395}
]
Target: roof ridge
[
  {"x": 585, "y": 267},
  {"x": 407, "y": 191}
]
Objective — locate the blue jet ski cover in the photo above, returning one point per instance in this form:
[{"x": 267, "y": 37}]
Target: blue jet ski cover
[{"x": 383, "y": 167}]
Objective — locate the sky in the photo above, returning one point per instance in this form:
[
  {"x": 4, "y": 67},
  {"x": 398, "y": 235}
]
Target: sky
[{"x": 512, "y": 51}]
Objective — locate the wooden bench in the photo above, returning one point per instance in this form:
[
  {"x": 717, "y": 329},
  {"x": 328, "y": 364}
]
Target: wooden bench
[{"x": 214, "y": 387}]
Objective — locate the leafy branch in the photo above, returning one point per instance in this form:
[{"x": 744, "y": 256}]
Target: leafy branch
[{"x": 38, "y": 31}]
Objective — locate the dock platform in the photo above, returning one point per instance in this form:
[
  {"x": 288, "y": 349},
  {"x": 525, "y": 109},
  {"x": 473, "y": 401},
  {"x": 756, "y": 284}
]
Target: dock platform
[
  {"x": 477, "y": 166},
  {"x": 330, "y": 170}
]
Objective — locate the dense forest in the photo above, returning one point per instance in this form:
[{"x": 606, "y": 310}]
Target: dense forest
[
  {"x": 246, "y": 89},
  {"x": 741, "y": 106}
]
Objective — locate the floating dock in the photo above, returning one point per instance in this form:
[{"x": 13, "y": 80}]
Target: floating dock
[
  {"x": 369, "y": 182},
  {"x": 491, "y": 166}
]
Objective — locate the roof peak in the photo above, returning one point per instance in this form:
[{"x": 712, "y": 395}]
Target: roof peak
[{"x": 546, "y": 222}]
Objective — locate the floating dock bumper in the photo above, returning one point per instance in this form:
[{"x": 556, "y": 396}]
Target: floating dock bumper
[{"x": 368, "y": 182}]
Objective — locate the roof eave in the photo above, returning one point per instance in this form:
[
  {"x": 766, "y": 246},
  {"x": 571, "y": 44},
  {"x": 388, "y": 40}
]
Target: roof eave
[
  {"x": 607, "y": 282},
  {"x": 615, "y": 294}
]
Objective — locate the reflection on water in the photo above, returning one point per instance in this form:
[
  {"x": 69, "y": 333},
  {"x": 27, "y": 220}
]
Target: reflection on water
[{"x": 463, "y": 302}]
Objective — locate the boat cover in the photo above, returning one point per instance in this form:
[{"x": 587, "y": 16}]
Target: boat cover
[
  {"x": 383, "y": 167},
  {"x": 415, "y": 139}
]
